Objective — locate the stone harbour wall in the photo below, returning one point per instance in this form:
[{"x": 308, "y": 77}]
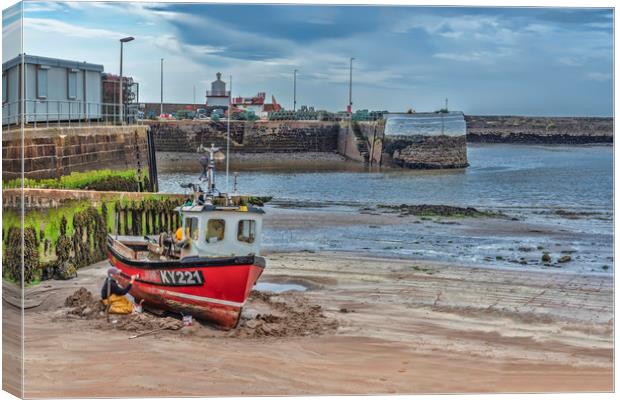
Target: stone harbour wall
[
  {"x": 373, "y": 132},
  {"x": 247, "y": 137},
  {"x": 53, "y": 152},
  {"x": 539, "y": 130},
  {"x": 351, "y": 145},
  {"x": 426, "y": 152}
]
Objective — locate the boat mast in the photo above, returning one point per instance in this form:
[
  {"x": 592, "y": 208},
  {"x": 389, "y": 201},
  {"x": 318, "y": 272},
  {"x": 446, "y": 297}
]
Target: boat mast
[{"x": 228, "y": 131}]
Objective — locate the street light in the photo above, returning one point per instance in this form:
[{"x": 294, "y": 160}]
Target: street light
[
  {"x": 295, "y": 90},
  {"x": 120, "y": 84},
  {"x": 161, "y": 85},
  {"x": 351, "y": 84}
]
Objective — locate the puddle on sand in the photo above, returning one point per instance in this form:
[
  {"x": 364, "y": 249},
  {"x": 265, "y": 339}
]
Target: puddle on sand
[{"x": 279, "y": 287}]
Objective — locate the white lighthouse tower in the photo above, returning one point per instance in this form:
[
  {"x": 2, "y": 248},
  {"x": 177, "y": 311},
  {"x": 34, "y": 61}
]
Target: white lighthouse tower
[{"x": 218, "y": 96}]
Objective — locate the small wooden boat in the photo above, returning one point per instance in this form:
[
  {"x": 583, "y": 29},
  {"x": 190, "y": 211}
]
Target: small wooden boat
[{"x": 209, "y": 271}]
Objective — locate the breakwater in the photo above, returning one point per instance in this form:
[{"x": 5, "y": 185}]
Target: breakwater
[
  {"x": 54, "y": 152},
  {"x": 427, "y": 152},
  {"x": 246, "y": 137},
  {"x": 539, "y": 130},
  {"x": 425, "y": 140},
  {"x": 359, "y": 141}
]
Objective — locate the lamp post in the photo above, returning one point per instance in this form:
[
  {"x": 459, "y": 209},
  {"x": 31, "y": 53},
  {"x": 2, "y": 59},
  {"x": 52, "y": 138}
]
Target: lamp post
[
  {"x": 120, "y": 83},
  {"x": 351, "y": 84},
  {"x": 295, "y": 90},
  {"x": 161, "y": 85}
]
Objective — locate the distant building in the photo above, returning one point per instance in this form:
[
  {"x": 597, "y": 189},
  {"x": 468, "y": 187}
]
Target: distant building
[
  {"x": 110, "y": 95},
  {"x": 256, "y": 104},
  {"x": 273, "y": 107},
  {"x": 56, "y": 90},
  {"x": 218, "y": 97}
]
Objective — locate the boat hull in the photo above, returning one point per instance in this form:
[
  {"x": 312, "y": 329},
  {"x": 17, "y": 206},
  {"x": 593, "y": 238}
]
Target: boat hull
[{"x": 214, "y": 290}]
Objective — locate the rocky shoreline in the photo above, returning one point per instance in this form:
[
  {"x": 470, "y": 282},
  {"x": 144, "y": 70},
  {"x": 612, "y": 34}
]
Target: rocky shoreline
[
  {"x": 535, "y": 138},
  {"x": 539, "y": 130}
]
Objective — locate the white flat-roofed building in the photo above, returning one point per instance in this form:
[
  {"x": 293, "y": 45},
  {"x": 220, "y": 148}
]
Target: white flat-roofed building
[{"x": 55, "y": 89}]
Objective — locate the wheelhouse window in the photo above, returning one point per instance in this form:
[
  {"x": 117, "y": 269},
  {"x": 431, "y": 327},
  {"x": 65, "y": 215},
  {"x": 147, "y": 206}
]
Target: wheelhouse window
[
  {"x": 215, "y": 230},
  {"x": 191, "y": 228},
  {"x": 72, "y": 84},
  {"x": 246, "y": 231},
  {"x": 42, "y": 82}
]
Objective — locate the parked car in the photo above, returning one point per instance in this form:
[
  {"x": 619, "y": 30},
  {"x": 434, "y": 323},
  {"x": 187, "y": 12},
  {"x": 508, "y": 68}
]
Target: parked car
[
  {"x": 185, "y": 114},
  {"x": 218, "y": 111}
]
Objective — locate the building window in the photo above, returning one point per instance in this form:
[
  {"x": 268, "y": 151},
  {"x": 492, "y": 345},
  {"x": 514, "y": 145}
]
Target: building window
[
  {"x": 72, "y": 84},
  {"x": 42, "y": 82},
  {"x": 215, "y": 230},
  {"x": 5, "y": 88},
  {"x": 246, "y": 231},
  {"x": 191, "y": 228}
]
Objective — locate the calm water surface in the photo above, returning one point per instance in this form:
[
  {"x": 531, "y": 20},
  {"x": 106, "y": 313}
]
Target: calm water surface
[{"x": 527, "y": 182}]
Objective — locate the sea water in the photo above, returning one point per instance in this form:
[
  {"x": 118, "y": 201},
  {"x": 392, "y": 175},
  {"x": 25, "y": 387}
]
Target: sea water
[{"x": 529, "y": 183}]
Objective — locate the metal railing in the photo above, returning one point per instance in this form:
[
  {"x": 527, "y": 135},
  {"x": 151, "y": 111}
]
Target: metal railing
[{"x": 47, "y": 113}]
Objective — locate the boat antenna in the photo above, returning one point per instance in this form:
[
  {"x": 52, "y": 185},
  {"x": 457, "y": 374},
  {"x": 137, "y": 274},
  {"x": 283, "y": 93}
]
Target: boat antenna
[
  {"x": 228, "y": 130},
  {"x": 236, "y": 174},
  {"x": 211, "y": 169}
]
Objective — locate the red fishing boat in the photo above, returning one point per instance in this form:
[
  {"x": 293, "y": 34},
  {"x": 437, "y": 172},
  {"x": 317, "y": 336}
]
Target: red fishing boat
[{"x": 209, "y": 270}]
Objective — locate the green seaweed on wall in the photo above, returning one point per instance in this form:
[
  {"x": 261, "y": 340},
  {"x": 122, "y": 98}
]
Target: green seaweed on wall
[
  {"x": 104, "y": 179},
  {"x": 73, "y": 235}
]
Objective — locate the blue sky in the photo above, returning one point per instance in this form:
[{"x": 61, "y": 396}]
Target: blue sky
[{"x": 526, "y": 61}]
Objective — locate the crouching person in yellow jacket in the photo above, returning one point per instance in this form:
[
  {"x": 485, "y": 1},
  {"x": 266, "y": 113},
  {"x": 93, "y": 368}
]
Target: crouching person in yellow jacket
[{"x": 115, "y": 294}]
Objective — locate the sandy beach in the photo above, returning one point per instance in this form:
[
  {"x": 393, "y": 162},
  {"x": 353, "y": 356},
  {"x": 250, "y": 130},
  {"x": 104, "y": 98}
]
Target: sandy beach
[{"x": 385, "y": 326}]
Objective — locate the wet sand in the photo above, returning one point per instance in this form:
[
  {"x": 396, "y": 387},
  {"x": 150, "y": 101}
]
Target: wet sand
[
  {"x": 397, "y": 326},
  {"x": 306, "y": 161}
]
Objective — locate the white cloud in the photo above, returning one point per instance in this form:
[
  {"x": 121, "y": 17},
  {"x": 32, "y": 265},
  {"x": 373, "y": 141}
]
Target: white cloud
[
  {"x": 598, "y": 76},
  {"x": 171, "y": 44},
  {"x": 62, "y": 28},
  {"x": 539, "y": 28},
  {"x": 480, "y": 56},
  {"x": 452, "y": 34},
  {"x": 455, "y": 26},
  {"x": 570, "y": 61},
  {"x": 467, "y": 57},
  {"x": 41, "y": 7},
  {"x": 11, "y": 32},
  {"x": 320, "y": 21}
]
